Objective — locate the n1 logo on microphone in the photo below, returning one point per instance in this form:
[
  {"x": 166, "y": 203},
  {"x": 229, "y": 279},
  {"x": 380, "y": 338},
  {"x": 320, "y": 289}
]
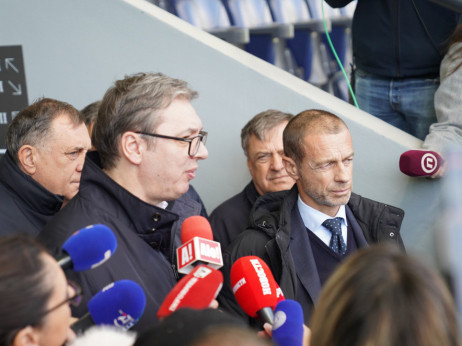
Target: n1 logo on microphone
[
  {"x": 429, "y": 163},
  {"x": 199, "y": 250}
]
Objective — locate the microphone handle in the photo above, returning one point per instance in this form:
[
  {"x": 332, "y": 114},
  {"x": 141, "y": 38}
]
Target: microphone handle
[
  {"x": 266, "y": 315},
  {"x": 65, "y": 261},
  {"x": 85, "y": 322}
]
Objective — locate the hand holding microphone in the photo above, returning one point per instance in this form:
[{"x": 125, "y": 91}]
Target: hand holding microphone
[
  {"x": 88, "y": 248},
  {"x": 198, "y": 246},
  {"x": 254, "y": 287},
  {"x": 119, "y": 304},
  {"x": 421, "y": 163}
]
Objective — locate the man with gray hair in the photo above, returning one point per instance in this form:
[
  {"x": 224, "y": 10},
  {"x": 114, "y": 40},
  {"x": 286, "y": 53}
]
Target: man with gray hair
[
  {"x": 148, "y": 140},
  {"x": 261, "y": 140},
  {"x": 40, "y": 171}
]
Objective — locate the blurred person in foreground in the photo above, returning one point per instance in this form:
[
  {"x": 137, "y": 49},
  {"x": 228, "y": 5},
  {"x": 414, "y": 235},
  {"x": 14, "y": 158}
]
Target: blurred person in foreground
[
  {"x": 380, "y": 296},
  {"x": 190, "y": 327},
  {"x": 447, "y": 131},
  {"x": 34, "y": 295}
]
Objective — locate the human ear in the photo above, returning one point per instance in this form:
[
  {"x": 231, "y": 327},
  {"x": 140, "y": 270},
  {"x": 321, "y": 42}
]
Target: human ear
[
  {"x": 131, "y": 147},
  {"x": 291, "y": 167},
  {"x": 27, "y": 156},
  {"x": 28, "y": 336}
]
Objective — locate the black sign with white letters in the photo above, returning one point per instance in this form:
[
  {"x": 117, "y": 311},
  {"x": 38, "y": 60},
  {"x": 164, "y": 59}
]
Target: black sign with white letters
[{"x": 13, "y": 92}]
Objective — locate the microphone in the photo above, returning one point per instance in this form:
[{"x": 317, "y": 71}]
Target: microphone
[
  {"x": 254, "y": 287},
  {"x": 420, "y": 163},
  {"x": 119, "y": 304},
  {"x": 87, "y": 248},
  {"x": 288, "y": 323},
  {"x": 196, "y": 290},
  {"x": 198, "y": 246}
]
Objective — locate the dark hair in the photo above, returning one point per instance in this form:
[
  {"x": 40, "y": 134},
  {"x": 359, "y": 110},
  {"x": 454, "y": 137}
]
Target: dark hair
[
  {"x": 90, "y": 112},
  {"x": 380, "y": 296},
  {"x": 312, "y": 121},
  {"x": 230, "y": 336},
  {"x": 32, "y": 125},
  {"x": 184, "y": 325},
  {"x": 132, "y": 104},
  {"x": 24, "y": 293},
  {"x": 260, "y": 124}
]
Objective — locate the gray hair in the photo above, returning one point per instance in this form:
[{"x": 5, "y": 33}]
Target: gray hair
[
  {"x": 32, "y": 126},
  {"x": 260, "y": 124},
  {"x": 133, "y": 104}
]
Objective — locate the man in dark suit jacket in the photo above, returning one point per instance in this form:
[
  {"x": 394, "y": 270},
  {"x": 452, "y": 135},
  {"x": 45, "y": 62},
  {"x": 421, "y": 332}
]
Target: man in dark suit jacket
[
  {"x": 291, "y": 230},
  {"x": 261, "y": 140}
]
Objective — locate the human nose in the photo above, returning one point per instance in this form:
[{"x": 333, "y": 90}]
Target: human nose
[
  {"x": 342, "y": 173},
  {"x": 81, "y": 161},
  {"x": 277, "y": 163},
  {"x": 202, "y": 153}
]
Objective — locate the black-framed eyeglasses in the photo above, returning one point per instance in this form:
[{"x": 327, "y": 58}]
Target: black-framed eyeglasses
[
  {"x": 194, "y": 142},
  {"x": 74, "y": 300}
]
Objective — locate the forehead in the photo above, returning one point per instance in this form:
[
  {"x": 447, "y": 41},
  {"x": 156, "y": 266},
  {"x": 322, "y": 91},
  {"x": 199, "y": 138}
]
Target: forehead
[
  {"x": 180, "y": 115},
  {"x": 67, "y": 134},
  {"x": 53, "y": 271},
  {"x": 272, "y": 140},
  {"x": 324, "y": 146}
]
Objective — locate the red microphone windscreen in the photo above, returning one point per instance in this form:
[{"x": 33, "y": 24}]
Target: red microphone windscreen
[
  {"x": 195, "y": 290},
  {"x": 420, "y": 163},
  {"x": 253, "y": 285},
  {"x": 196, "y": 226}
]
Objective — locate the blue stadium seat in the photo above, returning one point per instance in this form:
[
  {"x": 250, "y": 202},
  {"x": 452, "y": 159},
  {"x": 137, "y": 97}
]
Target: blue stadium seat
[
  {"x": 267, "y": 38},
  {"x": 305, "y": 46},
  {"x": 211, "y": 16},
  {"x": 340, "y": 35}
]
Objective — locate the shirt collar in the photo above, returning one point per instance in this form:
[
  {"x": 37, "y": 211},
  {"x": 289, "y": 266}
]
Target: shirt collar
[
  {"x": 313, "y": 219},
  {"x": 162, "y": 205}
]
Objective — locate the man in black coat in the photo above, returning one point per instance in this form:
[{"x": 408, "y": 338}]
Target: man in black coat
[
  {"x": 40, "y": 172},
  {"x": 149, "y": 141},
  {"x": 292, "y": 230},
  {"x": 261, "y": 140}
]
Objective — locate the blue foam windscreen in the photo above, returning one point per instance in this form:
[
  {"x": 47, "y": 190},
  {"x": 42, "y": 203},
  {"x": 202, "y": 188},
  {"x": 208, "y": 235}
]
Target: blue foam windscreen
[
  {"x": 288, "y": 323},
  {"x": 90, "y": 246},
  {"x": 120, "y": 304}
]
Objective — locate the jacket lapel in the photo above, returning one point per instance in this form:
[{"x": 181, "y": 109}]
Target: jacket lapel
[
  {"x": 357, "y": 231},
  {"x": 305, "y": 265}
]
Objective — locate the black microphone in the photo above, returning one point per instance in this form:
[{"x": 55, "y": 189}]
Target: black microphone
[{"x": 87, "y": 248}]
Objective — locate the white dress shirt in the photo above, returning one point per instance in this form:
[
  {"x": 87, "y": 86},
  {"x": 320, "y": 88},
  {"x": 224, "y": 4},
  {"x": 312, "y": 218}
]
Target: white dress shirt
[{"x": 313, "y": 219}]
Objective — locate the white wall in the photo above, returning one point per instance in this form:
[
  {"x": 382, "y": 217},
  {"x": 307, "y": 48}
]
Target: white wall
[{"x": 73, "y": 50}]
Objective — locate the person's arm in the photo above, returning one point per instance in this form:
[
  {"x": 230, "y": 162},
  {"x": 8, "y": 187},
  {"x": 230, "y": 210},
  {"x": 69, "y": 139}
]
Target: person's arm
[
  {"x": 337, "y": 3},
  {"x": 448, "y": 104}
]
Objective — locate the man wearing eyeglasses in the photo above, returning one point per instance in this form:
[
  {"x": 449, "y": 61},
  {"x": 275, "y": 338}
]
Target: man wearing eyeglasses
[{"x": 148, "y": 141}]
